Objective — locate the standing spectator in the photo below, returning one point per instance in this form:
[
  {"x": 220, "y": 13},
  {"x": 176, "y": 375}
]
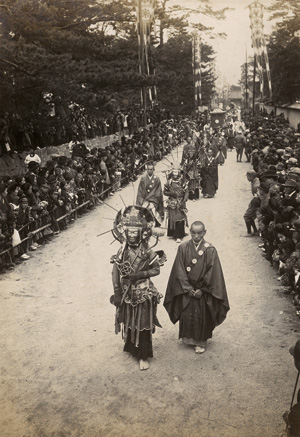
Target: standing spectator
[
  {"x": 250, "y": 216},
  {"x": 239, "y": 144}
]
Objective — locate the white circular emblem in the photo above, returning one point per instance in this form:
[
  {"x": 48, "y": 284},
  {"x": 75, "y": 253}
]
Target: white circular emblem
[
  {"x": 200, "y": 252},
  {"x": 217, "y": 121},
  {"x": 206, "y": 245},
  {"x": 194, "y": 261},
  {"x": 188, "y": 269}
]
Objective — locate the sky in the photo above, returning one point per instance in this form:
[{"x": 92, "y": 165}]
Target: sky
[{"x": 231, "y": 51}]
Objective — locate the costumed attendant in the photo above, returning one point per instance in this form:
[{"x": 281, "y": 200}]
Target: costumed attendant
[
  {"x": 135, "y": 295},
  {"x": 189, "y": 163},
  {"x": 196, "y": 294},
  {"x": 177, "y": 190},
  {"x": 210, "y": 176},
  {"x": 150, "y": 194}
]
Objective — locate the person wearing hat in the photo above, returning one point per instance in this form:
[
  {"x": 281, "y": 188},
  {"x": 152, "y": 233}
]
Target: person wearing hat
[
  {"x": 291, "y": 189},
  {"x": 135, "y": 295},
  {"x": 189, "y": 162},
  {"x": 150, "y": 194},
  {"x": 177, "y": 191},
  {"x": 196, "y": 293},
  {"x": 239, "y": 145},
  {"x": 209, "y": 175},
  {"x": 294, "y": 173}
]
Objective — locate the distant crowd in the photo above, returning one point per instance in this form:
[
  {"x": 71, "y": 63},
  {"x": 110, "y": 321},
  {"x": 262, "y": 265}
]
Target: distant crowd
[{"x": 18, "y": 135}]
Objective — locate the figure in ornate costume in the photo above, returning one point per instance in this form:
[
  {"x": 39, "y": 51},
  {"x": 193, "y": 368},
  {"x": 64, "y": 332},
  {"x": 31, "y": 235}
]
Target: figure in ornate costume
[
  {"x": 150, "y": 194},
  {"x": 219, "y": 143},
  {"x": 177, "y": 190},
  {"x": 209, "y": 173},
  {"x": 135, "y": 295},
  {"x": 189, "y": 163},
  {"x": 196, "y": 294}
]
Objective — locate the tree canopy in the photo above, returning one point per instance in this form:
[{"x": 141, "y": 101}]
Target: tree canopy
[
  {"x": 85, "y": 51},
  {"x": 284, "y": 51}
]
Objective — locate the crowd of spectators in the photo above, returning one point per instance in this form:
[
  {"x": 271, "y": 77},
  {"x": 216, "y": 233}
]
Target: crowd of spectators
[
  {"x": 18, "y": 135},
  {"x": 273, "y": 213},
  {"x": 36, "y": 207}
]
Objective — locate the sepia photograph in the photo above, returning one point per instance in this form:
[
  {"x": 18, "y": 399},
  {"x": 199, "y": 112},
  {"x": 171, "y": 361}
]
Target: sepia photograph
[{"x": 149, "y": 218}]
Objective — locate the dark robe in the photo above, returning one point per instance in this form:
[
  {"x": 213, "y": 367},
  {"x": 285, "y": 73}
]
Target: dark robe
[
  {"x": 150, "y": 196},
  {"x": 189, "y": 162},
  {"x": 221, "y": 149},
  {"x": 202, "y": 270},
  {"x": 210, "y": 177},
  {"x": 177, "y": 192}
]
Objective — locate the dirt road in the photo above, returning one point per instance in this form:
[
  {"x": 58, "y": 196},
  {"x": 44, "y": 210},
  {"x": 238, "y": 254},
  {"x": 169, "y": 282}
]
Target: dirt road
[{"x": 63, "y": 371}]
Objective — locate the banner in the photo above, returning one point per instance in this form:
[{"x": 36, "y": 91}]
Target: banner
[
  {"x": 259, "y": 46},
  {"x": 196, "y": 64},
  {"x": 145, "y": 19}
]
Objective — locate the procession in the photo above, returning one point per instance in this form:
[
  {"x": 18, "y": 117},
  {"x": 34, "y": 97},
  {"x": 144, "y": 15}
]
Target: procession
[{"x": 150, "y": 218}]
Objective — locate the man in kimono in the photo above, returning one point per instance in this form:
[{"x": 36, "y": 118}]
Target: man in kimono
[
  {"x": 177, "y": 191},
  {"x": 150, "y": 194},
  {"x": 189, "y": 163},
  {"x": 210, "y": 176},
  {"x": 196, "y": 294}
]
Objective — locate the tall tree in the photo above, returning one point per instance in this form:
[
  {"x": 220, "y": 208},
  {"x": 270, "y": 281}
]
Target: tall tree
[
  {"x": 284, "y": 51},
  {"x": 175, "y": 74},
  {"x": 61, "y": 48}
]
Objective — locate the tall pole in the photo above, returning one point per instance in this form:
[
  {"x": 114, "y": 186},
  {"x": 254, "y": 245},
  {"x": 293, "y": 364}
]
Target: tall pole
[
  {"x": 142, "y": 60},
  {"x": 196, "y": 63},
  {"x": 253, "y": 89},
  {"x": 246, "y": 81}
]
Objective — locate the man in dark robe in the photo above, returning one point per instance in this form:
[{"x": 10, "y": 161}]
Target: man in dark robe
[
  {"x": 189, "y": 162},
  {"x": 150, "y": 194},
  {"x": 177, "y": 191},
  {"x": 196, "y": 294},
  {"x": 210, "y": 176}
]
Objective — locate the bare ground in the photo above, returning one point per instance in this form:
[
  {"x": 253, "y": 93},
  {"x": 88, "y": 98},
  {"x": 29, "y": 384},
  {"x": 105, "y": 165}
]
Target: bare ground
[{"x": 63, "y": 371}]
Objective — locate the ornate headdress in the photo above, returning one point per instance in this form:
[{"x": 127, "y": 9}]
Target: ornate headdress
[{"x": 133, "y": 216}]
